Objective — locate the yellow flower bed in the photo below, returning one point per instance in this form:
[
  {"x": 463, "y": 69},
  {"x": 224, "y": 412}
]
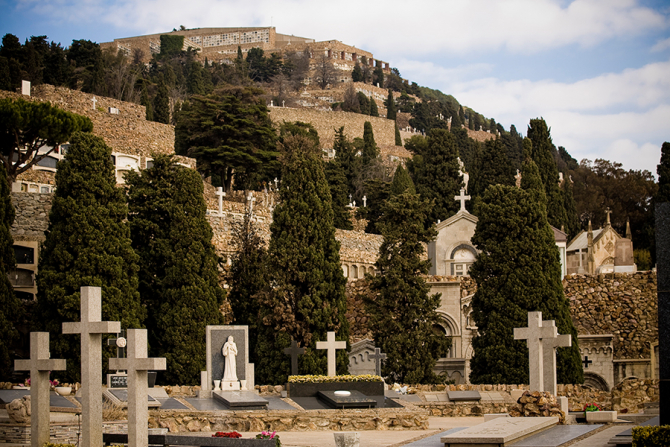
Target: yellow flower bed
[{"x": 330, "y": 379}]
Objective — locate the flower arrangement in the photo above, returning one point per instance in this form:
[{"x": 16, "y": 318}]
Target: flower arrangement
[
  {"x": 232, "y": 434},
  {"x": 54, "y": 382},
  {"x": 329, "y": 379},
  {"x": 26, "y": 382},
  {"x": 592, "y": 407},
  {"x": 268, "y": 435}
]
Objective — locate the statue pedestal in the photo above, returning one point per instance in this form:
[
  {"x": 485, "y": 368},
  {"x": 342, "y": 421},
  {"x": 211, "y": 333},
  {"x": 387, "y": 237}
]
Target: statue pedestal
[{"x": 230, "y": 385}]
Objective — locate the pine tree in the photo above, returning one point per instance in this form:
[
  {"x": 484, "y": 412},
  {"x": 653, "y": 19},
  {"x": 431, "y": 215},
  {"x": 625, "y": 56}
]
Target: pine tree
[
  {"x": 398, "y": 139},
  {"x": 438, "y": 176},
  {"x": 517, "y": 271},
  {"x": 542, "y": 155},
  {"x": 306, "y": 298},
  {"x": 178, "y": 279},
  {"x": 87, "y": 244},
  {"x": 162, "y": 104},
  {"x": 663, "y": 171},
  {"x": 246, "y": 278},
  {"x": 391, "y": 111},
  {"x": 10, "y": 306},
  {"x": 402, "y": 313},
  {"x": 370, "y": 150},
  {"x": 374, "y": 111}
]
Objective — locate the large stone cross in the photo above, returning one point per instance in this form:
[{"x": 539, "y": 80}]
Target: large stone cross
[
  {"x": 294, "y": 351},
  {"x": 377, "y": 357},
  {"x": 39, "y": 366},
  {"x": 220, "y": 194},
  {"x": 534, "y": 334},
  {"x": 137, "y": 365},
  {"x": 91, "y": 329},
  {"x": 549, "y": 346},
  {"x": 331, "y": 345},
  {"x": 462, "y": 198}
]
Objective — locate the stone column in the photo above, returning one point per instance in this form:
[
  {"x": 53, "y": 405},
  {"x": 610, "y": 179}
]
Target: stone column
[
  {"x": 39, "y": 366},
  {"x": 91, "y": 329},
  {"x": 663, "y": 266}
]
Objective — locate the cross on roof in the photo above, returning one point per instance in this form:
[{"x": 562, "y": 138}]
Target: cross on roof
[
  {"x": 378, "y": 356},
  {"x": 586, "y": 362},
  {"x": 330, "y": 346},
  {"x": 39, "y": 366},
  {"x": 294, "y": 351},
  {"x": 137, "y": 364},
  {"x": 534, "y": 334},
  {"x": 462, "y": 198},
  {"x": 91, "y": 329},
  {"x": 608, "y": 211}
]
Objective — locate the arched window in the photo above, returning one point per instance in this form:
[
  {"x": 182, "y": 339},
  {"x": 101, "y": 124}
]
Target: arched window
[{"x": 354, "y": 271}]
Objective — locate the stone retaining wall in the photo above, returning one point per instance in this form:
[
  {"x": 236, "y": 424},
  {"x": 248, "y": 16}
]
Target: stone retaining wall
[
  {"x": 61, "y": 433},
  {"x": 624, "y": 305},
  {"x": 32, "y": 215},
  {"x": 464, "y": 408},
  {"x": 409, "y": 418}
]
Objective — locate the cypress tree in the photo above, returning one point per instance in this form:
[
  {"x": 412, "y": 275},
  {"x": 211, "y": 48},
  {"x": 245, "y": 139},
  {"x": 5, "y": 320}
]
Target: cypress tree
[
  {"x": 306, "y": 298},
  {"x": 370, "y": 150},
  {"x": 438, "y": 176},
  {"x": 542, "y": 154},
  {"x": 178, "y": 280},
  {"x": 493, "y": 168},
  {"x": 10, "y": 308},
  {"x": 363, "y": 103},
  {"x": 345, "y": 155},
  {"x": 391, "y": 111},
  {"x": 402, "y": 183},
  {"x": 374, "y": 111},
  {"x": 663, "y": 171},
  {"x": 398, "y": 139},
  {"x": 357, "y": 73},
  {"x": 162, "y": 104},
  {"x": 339, "y": 188},
  {"x": 195, "y": 83},
  {"x": 247, "y": 277},
  {"x": 402, "y": 313},
  {"x": 144, "y": 100},
  {"x": 87, "y": 244},
  {"x": 461, "y": 114}
]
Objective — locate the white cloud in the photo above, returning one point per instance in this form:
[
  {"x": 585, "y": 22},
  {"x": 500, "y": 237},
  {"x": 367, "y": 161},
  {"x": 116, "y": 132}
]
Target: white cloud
[{"x": 661, "y": 45}]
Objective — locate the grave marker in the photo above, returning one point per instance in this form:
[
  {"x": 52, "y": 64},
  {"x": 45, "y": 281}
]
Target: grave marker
[
  {"x": 294, "y": 351},
  {"x": 331, "y": 346},
  {"x": 91, "y": 329},
  {"x": 549, "y": 346},
  {"x": 377, "y": 357},
  {"x": 137, "y": 365},
  {"x": 534, "y": 334},
  {"x": 220, "y": 195},
  {"x": 39, "y": 366}
]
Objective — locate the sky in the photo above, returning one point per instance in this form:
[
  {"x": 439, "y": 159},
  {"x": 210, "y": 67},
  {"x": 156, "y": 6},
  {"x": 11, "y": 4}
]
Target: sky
[{"x": 598, "y": 71}]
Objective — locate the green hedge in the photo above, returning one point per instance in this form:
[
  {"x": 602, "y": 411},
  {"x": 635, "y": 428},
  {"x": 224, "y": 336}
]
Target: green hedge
[
  {"x": 651, "y": 436},
  {"x": 329, "y": 379}
]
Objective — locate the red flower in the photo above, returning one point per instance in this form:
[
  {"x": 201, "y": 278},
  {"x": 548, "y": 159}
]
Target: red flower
[{"x": 232, "y": 434}]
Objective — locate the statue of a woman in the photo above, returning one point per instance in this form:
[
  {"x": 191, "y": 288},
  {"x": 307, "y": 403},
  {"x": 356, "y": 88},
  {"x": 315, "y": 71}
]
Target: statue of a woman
[{"x": 229, "y": 352}]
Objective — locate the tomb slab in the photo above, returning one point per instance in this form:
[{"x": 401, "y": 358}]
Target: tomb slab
[
  {"x": 355, "y": 399},
  {"x": 498, "y": 432},
  {"x": 246, "y": 400}
]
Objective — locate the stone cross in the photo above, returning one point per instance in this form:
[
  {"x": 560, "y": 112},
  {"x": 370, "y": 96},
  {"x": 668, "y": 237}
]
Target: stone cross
[
  {"x": 330, "y": 346},
  {"x": 365, "y": 201},
  {"x": 94, "y": 101},
  {"x": 294, "y": 351},
  {"x": 91, "y": 329},
  {"x": 377, "y": 357},
  {"x": 271, "y": 103},
  {"x": 251, "y": 199},
  {"x": 283, "y": 103},
  {"x": 586, "y": 362},
  {"x": 534, "y": 334},
  {"x": 39, "y": 366},
  {"x": 462, "y": 198},
  {"x": 608, "y": 211},
  {"x": 120, "y": 343},
  {"x": 137, "y": 364},
  {"x": 549, "y": 346},
  {"x": 220, "y": 194},
  {"x": 276, "y": 184}
]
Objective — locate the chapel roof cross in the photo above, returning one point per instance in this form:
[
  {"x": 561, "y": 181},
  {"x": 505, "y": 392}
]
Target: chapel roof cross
[
  {"x": 608, "y": 211},
  {"x": 462, "y": 199},
  {"x": 331, "y": 346}
]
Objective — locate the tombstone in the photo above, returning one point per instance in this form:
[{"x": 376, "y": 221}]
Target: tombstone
[
  {"x": 331, "y": 346},
  {"x": 93, "y": 100},
  {"x": 365, "y": 201},
  {"x": 91, "y": 329},
  {"x": 39, "y": 366},
  {"x": 220, "y": 195},
  {"x": 25, "y": 88},
  {"x": 377, "y": 357},
  {"x": 534, "y": 334},
  {"x": 623, "y": 258},
  {"x": 294, "y": 351},
  {"x": 216, "y": 338},
  {"x": 549, "y": 346},
  {"x": 137, "y": 365}
]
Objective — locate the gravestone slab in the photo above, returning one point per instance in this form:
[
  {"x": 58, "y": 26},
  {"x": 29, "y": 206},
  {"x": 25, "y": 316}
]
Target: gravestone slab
[
  {"x": 458, "y": 396},
  {"x": 206, "y": 404},
  {"x": 434, "y": 441},
  {"x": 216, "y": 337},
  {"x": 556, "y": 436},
  {"x": 355, "y": 399},
  {"x": 119, "y": 396},
  {"x": 55, "y": 400},
  {"x": 501, "y": 431},
  {"x": 238, "y": 400}
]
